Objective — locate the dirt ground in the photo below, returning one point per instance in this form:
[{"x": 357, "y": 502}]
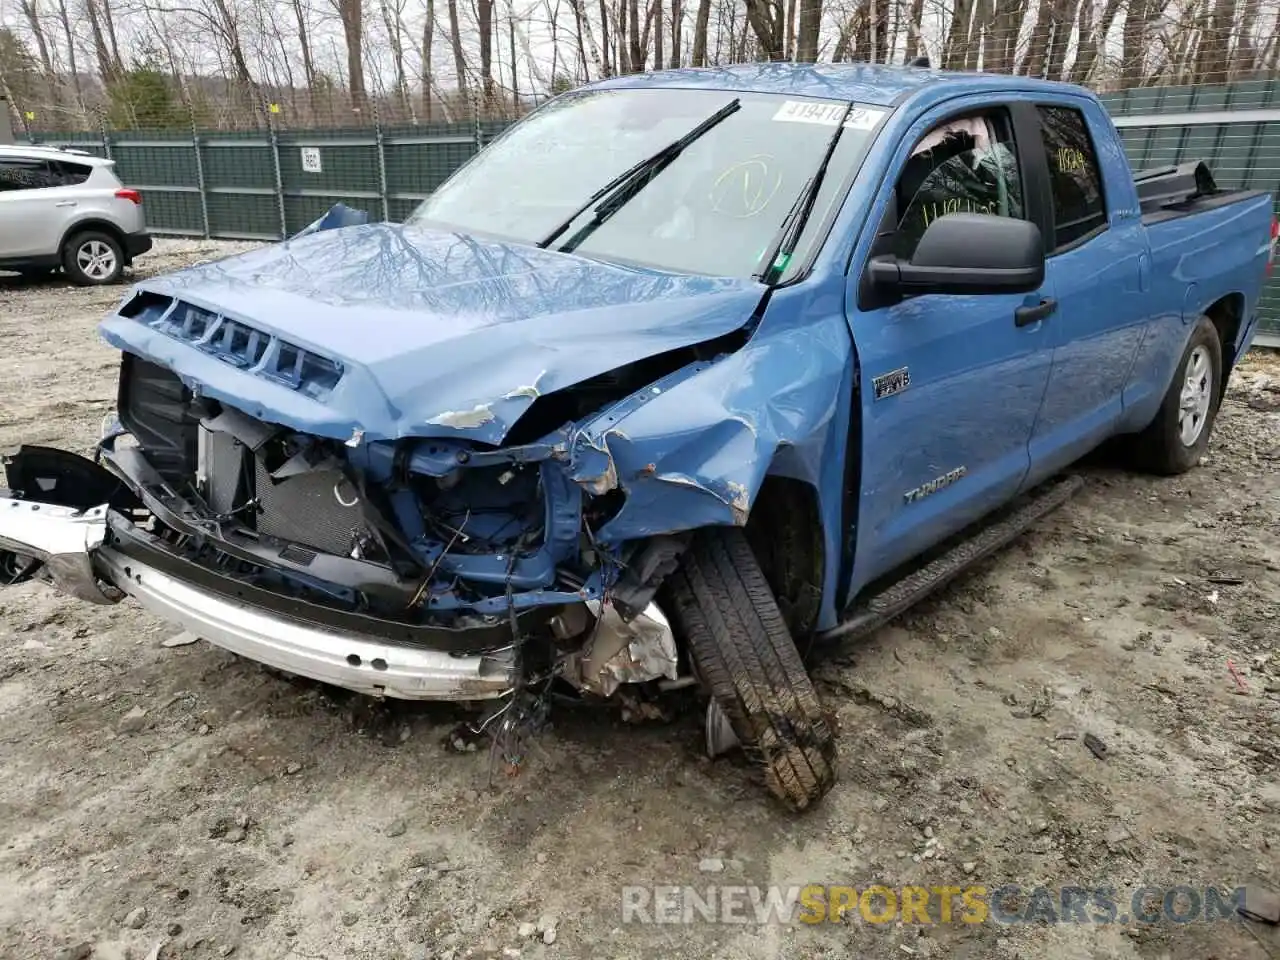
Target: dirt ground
[{"x": 250, "y": 816}]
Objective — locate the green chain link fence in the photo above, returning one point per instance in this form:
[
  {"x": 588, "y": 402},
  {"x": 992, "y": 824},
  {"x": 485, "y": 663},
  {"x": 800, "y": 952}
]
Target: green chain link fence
[{"x": 266, "y": 185}]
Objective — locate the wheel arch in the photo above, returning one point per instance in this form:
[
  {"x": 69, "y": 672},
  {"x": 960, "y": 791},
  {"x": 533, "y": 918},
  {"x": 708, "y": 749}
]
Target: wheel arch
[
  {"x": 1227, "y": 315},
  {"x": 787, "y": 535},
  {"x": 92, "y": 225}
]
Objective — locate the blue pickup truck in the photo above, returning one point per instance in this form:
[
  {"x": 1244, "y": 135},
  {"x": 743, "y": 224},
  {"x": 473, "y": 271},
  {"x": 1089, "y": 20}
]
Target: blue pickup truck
[{"x": 687, "y": 372}]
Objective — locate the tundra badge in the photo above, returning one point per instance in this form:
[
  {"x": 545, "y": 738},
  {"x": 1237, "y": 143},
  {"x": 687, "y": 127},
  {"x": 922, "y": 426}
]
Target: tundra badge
[
  {"x": 887, "y": 384},
  {"x": 933, "y": 486}
]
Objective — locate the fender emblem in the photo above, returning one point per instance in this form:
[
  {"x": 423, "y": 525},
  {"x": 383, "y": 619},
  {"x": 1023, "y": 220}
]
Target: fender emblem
[
  {"x": 887, "y": 384},
  {"x": 933, "y": 486}
]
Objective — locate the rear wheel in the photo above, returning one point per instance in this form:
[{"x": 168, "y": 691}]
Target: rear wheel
[
  {"x": 1177, "y": 438},
  {"x": 720, "y": 603},
  {"x": 93, "y": 258}
]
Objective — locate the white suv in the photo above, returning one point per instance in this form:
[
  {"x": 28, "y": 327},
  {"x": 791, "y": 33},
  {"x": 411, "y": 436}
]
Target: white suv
[{"x": 62, "y": 208}]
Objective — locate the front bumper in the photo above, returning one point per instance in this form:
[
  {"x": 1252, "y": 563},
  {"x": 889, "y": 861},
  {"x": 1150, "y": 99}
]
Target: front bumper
[{"x": 72, "y": 544}]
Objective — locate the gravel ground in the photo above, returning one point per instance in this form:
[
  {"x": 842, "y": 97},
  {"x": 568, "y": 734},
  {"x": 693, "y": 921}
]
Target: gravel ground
[{"x": 180, "y": 802}]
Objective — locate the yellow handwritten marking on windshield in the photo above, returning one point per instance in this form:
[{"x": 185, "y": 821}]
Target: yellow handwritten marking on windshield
[{"x": 752, "y": 183}]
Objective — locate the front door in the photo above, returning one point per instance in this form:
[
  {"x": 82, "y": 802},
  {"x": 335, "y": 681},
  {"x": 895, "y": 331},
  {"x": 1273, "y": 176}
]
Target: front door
[{"x": 950, "y": 385}]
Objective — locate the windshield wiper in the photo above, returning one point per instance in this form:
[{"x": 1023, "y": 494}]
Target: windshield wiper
[
  {"x": 627, "y": 184},
  {"x": 780, "y": 251}
]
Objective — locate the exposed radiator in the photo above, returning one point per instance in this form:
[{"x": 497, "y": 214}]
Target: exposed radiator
[{"x": 319, "y": 510}]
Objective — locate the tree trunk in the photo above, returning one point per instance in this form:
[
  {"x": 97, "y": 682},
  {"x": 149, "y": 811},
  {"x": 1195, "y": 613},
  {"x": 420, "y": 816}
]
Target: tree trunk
[
  {"x": 677, "y": 29},
  {"x": 1087, "y": 55},
  {"x": 515, "y": 83},
  {"x": 958, "y": 35},
  {"x": 1133, "y": 45},
  {"x": 1005, "y": 35},
  {"x": 428, "y": 75},
  {"x": 455, "y": 40},
  {"x": 484, "y": 23},
  {"x": 609, "y": 63},
  {"x": 106, "y": 67},
  {"x": 701, "y": 22},
  {"x": 29, "y": 10},
  {"x": 304, "y": 43},
  {"x": 810, "y": 23},
  {"x": 1246, "y": 57},
  {"x": 659, "y": 34},
  {"x": 767, "y": 21},
  {"x": 1063, "y": 22},
  {"x": 915, "y": 37},
  {"x": 69, "y": 38},
  {"x": 637, "y": 50},
  {"x": 1041, "y": 33},
  {"x": 789, "y": 45}
]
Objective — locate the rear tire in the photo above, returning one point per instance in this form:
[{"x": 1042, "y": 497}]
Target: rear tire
[
  {"x": 720, "y": 603},
  {"x": 93, "y": 259},
  {"x": 1177, "y": 438}
]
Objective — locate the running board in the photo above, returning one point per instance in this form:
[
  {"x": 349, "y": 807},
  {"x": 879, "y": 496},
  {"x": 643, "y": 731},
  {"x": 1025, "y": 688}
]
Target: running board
[{"x": 896, "y": 599}]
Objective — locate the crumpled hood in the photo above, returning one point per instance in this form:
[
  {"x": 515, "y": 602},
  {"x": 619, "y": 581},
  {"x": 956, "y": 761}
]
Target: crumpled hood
[{"x": 437, "y": 333}]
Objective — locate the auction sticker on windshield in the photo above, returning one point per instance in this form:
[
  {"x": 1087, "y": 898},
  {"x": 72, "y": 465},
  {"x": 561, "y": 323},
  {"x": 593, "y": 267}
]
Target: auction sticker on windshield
[{"x": 827, "y": 114}]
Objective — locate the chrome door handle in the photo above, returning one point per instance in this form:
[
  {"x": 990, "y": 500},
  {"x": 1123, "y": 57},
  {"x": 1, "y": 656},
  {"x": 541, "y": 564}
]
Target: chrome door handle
[{"x": 65, "y": 203}]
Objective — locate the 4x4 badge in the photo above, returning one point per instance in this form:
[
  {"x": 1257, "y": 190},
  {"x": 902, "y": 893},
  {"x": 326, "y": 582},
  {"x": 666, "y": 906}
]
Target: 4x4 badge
[{"x": 887, "y": 384}]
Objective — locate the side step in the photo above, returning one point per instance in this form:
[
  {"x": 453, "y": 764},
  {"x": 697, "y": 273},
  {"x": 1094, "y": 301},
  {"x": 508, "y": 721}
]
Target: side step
[{"x": 896, "y": 599}]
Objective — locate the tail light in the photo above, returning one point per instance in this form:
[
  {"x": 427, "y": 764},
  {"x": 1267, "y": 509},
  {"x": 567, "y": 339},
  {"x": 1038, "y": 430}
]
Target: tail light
[
  {"x": 133, "y": 196},
  {"x": 1275, "y": 234}
]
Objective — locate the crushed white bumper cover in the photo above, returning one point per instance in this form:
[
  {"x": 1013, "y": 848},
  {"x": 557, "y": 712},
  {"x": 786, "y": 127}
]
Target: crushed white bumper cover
[{"x": 70, "y": 543}]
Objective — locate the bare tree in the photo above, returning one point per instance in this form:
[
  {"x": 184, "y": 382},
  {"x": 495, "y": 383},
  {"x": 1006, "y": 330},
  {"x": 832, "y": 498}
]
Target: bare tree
[
  {"x": 767, "y": 19},
  {"x": 702, "y": 21},
  {"x": 484, "y": 23},
  {"x": 455, "y": 40},
  {"x": 351, "y": 14}
]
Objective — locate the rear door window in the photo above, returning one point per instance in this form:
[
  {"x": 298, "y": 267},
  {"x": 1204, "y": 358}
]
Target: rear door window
[
  {"x": 1079, "y": 207},
  {"x": 21, "y": 173},
  {"x": 71, "y": 174}
]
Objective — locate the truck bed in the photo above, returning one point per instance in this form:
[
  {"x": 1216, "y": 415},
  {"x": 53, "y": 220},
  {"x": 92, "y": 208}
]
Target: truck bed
[{"x": 1174, "y": 191}]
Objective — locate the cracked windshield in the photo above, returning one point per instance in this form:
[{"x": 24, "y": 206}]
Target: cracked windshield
[{"x": 715, "y": 209}]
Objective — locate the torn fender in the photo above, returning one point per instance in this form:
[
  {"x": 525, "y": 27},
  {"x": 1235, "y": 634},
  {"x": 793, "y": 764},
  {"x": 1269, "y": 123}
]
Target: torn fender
[{"x": 693, "y": 449}]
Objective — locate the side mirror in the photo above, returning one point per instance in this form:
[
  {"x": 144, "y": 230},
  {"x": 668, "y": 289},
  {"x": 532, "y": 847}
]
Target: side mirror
[{"x": 967, "y": 253}]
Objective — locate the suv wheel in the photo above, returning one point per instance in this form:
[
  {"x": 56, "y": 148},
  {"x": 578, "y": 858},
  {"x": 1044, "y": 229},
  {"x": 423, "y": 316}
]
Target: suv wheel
[{"x": 93, "y": 258}]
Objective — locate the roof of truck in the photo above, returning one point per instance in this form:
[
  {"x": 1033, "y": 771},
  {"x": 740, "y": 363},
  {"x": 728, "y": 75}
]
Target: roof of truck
[{"x": 863, "y": 82}]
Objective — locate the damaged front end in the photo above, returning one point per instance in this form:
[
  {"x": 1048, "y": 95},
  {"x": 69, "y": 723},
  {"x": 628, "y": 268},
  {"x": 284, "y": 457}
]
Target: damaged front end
[
  {"x": 459, "y": 489},
  {"x": 431, "y": 569}
]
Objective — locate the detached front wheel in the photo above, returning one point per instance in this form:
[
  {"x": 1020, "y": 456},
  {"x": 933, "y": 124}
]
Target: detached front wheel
[{"x": 720, "y": 603}]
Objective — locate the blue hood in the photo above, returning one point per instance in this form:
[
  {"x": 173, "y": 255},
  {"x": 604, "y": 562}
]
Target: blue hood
[{"x": 435, "y": 333}]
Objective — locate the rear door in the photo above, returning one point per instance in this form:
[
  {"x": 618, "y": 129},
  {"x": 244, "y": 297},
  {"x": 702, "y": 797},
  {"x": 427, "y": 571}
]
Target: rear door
[
  {"x": 1100, "y": 268},
  {"x": 31, "y": 216},
  {"x": 950, "y": 384}
]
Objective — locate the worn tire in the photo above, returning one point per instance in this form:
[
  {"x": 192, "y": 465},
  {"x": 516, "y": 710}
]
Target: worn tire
[
  {"x": 720, "y": 604},
  {"x": 1160, "y": 448},
  {"x": 87, "y": 241}
]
